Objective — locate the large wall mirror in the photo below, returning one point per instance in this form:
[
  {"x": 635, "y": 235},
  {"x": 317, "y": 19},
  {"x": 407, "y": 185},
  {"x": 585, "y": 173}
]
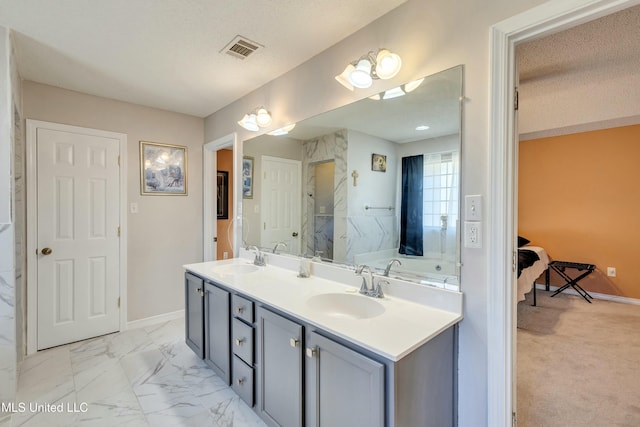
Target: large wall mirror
[{"x": 374, "y": 180}]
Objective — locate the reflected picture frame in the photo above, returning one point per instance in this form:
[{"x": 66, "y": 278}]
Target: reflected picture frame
[
  {"x": 378, "y": 162},
  {"x": 222, "y": 187},
  {"x": 247, "y": 177},
  {"x": 163, "y": 169}
]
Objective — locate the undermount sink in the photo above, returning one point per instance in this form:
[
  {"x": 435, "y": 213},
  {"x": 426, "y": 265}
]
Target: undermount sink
[
  {"x": 346, "y": 305},
  {"x": 233, "y": 269}
]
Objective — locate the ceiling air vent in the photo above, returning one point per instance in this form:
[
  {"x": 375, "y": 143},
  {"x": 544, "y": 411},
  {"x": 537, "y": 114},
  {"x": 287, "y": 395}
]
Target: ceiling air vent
[{"x": 241, "y": 47}]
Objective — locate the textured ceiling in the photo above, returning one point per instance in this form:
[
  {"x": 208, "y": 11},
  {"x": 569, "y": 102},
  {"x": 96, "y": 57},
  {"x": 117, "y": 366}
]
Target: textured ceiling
[
  {"x": 166, "y": 54},
  {"x": 585, "y": 74}
]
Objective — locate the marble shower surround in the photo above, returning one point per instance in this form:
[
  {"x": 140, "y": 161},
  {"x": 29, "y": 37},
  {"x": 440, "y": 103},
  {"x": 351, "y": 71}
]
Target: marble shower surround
[{"x": 330, "y": 147}]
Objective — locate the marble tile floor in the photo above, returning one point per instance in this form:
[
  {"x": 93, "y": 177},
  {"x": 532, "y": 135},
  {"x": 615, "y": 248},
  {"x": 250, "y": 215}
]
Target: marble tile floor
[{"x": 139, "y": 377}]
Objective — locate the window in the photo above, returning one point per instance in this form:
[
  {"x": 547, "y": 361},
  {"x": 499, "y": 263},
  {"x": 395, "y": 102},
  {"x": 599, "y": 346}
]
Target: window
[{"x": 441, "y": 190}]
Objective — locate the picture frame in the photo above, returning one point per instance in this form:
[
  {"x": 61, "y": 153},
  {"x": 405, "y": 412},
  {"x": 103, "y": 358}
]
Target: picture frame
[
  {"x": 378, "y": 162},
  {"x": 223, "y": 194},
  {"x": 247, "y": 177},
  {"x": 163, "y": 169}
]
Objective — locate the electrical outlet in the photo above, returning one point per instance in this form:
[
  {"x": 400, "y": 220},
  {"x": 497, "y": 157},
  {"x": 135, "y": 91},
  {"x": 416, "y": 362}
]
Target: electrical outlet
[
  {"x": 473, "y": 234},
  {"x": 611, "y": 271}
]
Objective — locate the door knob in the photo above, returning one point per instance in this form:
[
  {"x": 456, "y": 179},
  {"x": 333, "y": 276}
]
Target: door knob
[{"x": 46, "y": 251}]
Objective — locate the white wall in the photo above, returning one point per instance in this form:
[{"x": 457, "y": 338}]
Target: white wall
[
  {"x": 430, "y": 36},
  {"x": 167, "y": 231}
]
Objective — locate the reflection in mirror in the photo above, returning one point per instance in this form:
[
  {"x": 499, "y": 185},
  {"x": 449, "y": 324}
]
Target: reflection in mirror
[{"x": 367, "y": 183}]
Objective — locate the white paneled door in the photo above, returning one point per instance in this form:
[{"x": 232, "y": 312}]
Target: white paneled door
[
  {"x": 78, "y": 206},
  {"x": 281, "y": 203}
]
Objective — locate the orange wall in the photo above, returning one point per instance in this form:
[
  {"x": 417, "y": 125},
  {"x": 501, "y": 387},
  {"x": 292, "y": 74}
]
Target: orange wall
[
  {"x": 579, "y": 198},
  {"x": 225, "y": 163}
]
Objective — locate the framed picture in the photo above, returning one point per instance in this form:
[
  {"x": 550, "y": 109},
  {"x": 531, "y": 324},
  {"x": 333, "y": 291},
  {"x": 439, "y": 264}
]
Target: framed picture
[
  {"x": 163, "y": 169},
  {"x": 378, "y": 163},
  {"x": 223, "y": 194},
  {"x": 247, "y": 178}
]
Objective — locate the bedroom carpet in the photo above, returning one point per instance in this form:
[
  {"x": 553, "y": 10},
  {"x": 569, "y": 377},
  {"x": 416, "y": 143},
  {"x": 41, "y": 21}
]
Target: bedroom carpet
[{"x": 577, "y": 363}]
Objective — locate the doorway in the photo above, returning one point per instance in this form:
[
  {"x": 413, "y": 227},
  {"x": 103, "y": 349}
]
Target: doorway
[
  {"x": 543, "y": 20},
  {"x": 76, "y": 248},
  {"x": 210, "y": 204}
]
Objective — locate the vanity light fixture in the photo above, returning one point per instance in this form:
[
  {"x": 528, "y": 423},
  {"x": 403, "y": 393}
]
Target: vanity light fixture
[
  {"x": 258, "y": 118},
  {"x": 422, "y": 127},
  {"x": 283, "y": 130},
  {"x": 382, "y": 64},
  {"x": 397, "y": 91}
]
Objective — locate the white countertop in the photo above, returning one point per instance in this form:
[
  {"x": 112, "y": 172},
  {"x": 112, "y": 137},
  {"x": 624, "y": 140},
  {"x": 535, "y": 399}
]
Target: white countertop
[{"x": 404, "y": 326}]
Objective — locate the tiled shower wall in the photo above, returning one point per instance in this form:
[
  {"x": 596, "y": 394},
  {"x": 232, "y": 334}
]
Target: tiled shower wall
[{"x": 328, "y": 147}]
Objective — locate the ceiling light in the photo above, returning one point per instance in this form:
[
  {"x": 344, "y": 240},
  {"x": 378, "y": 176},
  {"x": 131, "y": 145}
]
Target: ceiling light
[
  {"x": 388, "y": 64},
  {"x": 422, "y": 127},
  {"x": 249, "y": 122},
  {"x": 360, "y": 77},
  {"x": 343, "y": 78},
  {"x": 258, "y": 118},
  {"x": 263, "y": 117},
  {"x": 382, "y": 64},
  {"x": 283, "y": 130}
]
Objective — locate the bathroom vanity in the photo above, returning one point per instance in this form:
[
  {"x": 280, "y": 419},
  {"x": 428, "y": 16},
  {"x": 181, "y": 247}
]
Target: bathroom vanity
[{"x": 315, "y": 352}]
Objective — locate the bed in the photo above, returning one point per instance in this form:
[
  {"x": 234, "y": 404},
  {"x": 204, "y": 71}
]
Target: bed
[{"x": 532, "y": 262}]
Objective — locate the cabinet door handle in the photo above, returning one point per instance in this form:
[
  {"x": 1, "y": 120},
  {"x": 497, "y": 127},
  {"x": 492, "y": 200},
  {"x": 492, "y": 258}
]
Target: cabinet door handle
[
  {"x": 239, "y": 341},
  {"x": 293, "y": 342},
  {"x": 240, "y": 381},
  {"x": 311, "y": 352},
  {"x": 199, "y": 290},
  {"x": 239, "y": 310}
]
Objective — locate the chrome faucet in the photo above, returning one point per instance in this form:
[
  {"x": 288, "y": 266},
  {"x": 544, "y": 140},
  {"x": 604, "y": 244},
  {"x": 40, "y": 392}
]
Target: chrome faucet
[
  {"x": 275, "y": 248},
  {"x": 389, "y": 265},
  {"x": 369, "y": 289},
  {"x": 259, "y": 259}
]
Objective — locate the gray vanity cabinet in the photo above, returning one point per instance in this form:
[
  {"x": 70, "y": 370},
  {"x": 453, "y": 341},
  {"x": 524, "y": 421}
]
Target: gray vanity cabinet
[
  {"x": 279, "y": 369},
  {"x": 194, "y": 309},
  {"x": 217, "y": 336},
  {"x": 343, "y": 387}
]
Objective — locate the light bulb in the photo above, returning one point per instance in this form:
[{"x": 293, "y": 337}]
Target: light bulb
[
  {"x": 263, "y": 118},
  {"x": 343, "y": 78},
  {"x": 388, "y": 64},
  {"x": 361, "y": 76},
  {"x": 249, "y": 122}
]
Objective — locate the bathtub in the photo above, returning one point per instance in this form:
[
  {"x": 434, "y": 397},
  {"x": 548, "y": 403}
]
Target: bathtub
[{"x": 435, "y": 272}]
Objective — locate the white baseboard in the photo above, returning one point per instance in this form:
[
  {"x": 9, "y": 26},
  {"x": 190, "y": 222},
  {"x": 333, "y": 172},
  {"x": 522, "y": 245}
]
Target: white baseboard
[
  {"x": 595, "y": 295},
  {"x": 153, "y": 320}
]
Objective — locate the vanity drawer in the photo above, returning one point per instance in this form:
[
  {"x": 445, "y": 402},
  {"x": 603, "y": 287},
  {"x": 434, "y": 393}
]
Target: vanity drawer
[
  {"x": 243, "y": 380},
  {"x": 242, "y": 340},
  {"x": 242, "y": 308}
]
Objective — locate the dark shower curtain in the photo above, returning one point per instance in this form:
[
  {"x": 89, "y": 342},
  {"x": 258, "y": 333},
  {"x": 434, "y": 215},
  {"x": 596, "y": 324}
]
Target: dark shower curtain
[{"x": 412, "y": 204}]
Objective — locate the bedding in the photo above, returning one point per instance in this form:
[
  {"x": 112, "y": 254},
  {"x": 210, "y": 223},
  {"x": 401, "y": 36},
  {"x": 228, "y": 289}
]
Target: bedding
[{"x": 532, "y": 262}]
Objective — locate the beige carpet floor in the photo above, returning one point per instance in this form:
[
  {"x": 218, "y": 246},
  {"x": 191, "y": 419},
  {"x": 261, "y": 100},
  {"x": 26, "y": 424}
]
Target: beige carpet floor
[{"x": 578, "y": 364}]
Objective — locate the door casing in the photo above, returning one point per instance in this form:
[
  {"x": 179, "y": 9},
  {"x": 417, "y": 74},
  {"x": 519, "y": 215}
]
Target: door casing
[
  {"x": 543, "y": 20},
  {"x": 32, "y": 221},
  {"x": 209, "y": 203}
]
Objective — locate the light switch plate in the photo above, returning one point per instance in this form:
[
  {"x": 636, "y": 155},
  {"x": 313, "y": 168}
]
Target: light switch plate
[
  {"x": 473, "y": 208},
  {"x": 133, "y": 207}
]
